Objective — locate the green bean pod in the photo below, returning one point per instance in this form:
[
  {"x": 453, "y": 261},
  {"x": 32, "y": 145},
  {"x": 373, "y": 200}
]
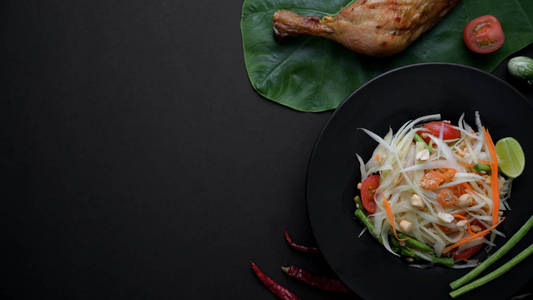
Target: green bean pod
[
  {"x": 406, "y": 251},
  {"x": 413, "y": 243},
  {"x": 395, "y": 242},
  {"x": 362, "y": 217},
  {"x": 447, "y": 261}
]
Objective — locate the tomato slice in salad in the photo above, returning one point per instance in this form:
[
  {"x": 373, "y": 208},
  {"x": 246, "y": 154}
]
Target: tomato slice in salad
[
  {"x": 368, "y": 189},
  {"x": 433, "y": 128},
  {"x": 484, "y": 34},
  {"x": 468, "y": 252}
]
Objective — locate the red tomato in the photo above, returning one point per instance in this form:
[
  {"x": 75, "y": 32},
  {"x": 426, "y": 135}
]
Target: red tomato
[
  {"x": 433, "y": 128},
  {"x": 483, "y": 34},
  {"x": 468, "y": 252},
  {"x": 368, "y": 188}
]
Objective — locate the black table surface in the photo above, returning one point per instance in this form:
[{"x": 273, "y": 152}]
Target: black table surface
[{"x": 138, "y": 162}]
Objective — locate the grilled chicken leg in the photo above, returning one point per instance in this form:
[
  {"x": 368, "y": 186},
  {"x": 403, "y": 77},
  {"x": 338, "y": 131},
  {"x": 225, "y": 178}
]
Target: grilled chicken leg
[{"x": 371, "y": 27}]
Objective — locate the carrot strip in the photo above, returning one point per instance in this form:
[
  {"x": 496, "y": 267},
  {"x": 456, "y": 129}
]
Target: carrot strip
[
  {"x": 468, "y": 187},
  {"x": 494, "y": 178},
  {"x": 467, "y": 222},
  {"x": 391, "y": 219},
  {"x": 485, "y": 162},
  {"x": 458, "y": 190},
  {"x": 473, "y": 237},
  {"x": 462, "y": 213}
]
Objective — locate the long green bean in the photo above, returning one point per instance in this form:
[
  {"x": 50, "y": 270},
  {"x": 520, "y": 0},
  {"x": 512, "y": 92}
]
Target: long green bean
[
  {"x": 362, "y": 217},
  {"x": 494, "y": 257},
  {"x": 394, "y": 245},
  {"x": 394, "y": 242},
  {"x": 447, "y": 261},
  {"x": 411, "y": 242},
  {"x": 406, "y": 251},
  {"x": 494, "y": 274}
]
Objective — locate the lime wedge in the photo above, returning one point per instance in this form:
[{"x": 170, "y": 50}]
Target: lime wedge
[{"x": 511, "y": 158}]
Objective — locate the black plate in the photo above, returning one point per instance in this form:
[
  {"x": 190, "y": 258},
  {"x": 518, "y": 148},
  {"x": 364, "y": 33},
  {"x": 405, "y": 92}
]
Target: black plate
[{"x": 390, "y": 100}]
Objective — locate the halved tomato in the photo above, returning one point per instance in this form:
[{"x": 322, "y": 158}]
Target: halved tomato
[
  {"x": 466, "y": 253},
  {"x": 368, "y": 189},
  {"x": 484, "y": 34},
  {"x": 433, "y": 128}
]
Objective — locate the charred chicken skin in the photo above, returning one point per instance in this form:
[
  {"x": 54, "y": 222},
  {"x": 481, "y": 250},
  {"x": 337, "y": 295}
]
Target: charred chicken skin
[{"x": 371, "y": 27}]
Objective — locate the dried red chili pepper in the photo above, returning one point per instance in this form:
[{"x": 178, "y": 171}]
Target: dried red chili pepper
[
  {"x": 293, "y": 245},
  {"x": 276, "y": 289},
  {"x": 323, "y": 283}
]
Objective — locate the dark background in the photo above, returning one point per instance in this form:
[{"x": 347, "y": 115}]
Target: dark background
[{"x": 137, "y": 161}]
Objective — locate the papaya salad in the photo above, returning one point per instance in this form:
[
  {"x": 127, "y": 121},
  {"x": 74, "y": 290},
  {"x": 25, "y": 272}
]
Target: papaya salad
[{"x": 432, "y": 191}]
